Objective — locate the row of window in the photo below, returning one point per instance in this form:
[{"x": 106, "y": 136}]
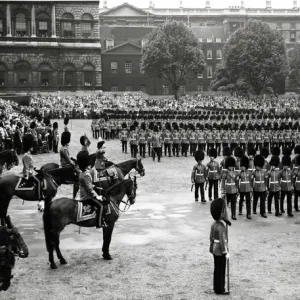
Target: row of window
[{"x": 110, "y": 43}]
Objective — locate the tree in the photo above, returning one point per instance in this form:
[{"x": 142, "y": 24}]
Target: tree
[
  {"x": 257, "y": 56},
  {"x": 173, "y": 53},
  {"x": 294, "y": 74}
]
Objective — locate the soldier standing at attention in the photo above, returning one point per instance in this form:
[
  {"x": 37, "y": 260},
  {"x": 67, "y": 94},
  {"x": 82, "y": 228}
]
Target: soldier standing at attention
[
  {"x": 193, "y": 141},
  {"x": 133, "y": 141},
  {"x": 167, "y": 140},
  {"x": 218, "y": 138},
  {"x": 198, "y": 176},
  {"x": 124, "y": 137},
  {"x": 176, "y": 141},
  {"x": 184, "y": 142},
  {"x": 213, "y": 174},
  {"x": 296, "y": 177},
  {"x": 156, "y": 144},
  {"x": 219, "y": 244},
  {"x": 201, "y": 139},
  {"x": 142, "y": 141},
  {"x": 149, "y": 135}
]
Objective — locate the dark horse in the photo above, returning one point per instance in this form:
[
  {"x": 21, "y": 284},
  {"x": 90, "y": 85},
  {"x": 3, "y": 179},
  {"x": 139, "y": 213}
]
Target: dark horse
[
  {"x": 122, "y": 170},
  {"x": 10, "y": 240},
  {"x": 64, "y": 211},
  {"x": 8, "y": 159},
  {"x": 9, "y": 187}
]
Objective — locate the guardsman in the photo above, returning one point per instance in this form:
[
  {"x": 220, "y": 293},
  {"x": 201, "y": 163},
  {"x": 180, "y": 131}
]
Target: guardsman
[
  {"x": 267, "y": 138},
  {"x": 219, "y": 244},
  {"x": 133, "y": 141},
  {"x": 259, "y": 183},
  {"x": 225, "y": 137},
  {"x": 265, "y": 153},
  {"x": 243, "y": 139},
  {"x": 156, "y": 144},
  {"x": 286, "y": 181},
  {"x": 119, "y": 127},
  {"x": 294, "y": 160},
  {"x": 142, "y": 140},
  {"x": 274, "y": 139},
  {"x": 281, "y": 139},
  {"x": 251, "y": 154},
  {"x": 250, "y": 140},
  {"x": 218, "y": 138},
  {"x": 274, "y": 185},
  {"x": 213, "y": 174},
  {"x": 296, "y": 178},
  {"x": 209, "y": 139},
  {"x": 294, "y": 138},
  {"x": 229, "y": 185},
  {"x": 199, "y": 175},
  {"x": 201, "y": 139},
  {"x": 168, "y": 140},
  {"x": 193, "y": 141},
  {"x": 233, "y": 140},
  {"x": 298, "y": 137},
  {"x": 244, "y": 186},
  {"x": 226, "y": 153},
  {"x": 176, "y": 141},
  {"x": 149, "y": 140},
  {"x": 288, "y": 139},
  {"x": 184, "y": 142},
  {"x": 124, "y": 137},
  {"x": 238, "y": 153},
  {"x": 258, "y": 139},
  {"x": 64, "y": 152}
]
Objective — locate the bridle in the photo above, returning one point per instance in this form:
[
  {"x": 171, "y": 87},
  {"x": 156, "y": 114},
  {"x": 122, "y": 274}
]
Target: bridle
[{"x": 138, "y": 171}]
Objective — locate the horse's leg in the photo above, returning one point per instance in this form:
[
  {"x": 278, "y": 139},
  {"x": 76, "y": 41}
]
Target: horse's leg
[
  {"x": 75, "y": 190},
  {"x": 49, "y": 238},
  {"x": 107, "y": 233},
  {"x": 57, "y": 249}
]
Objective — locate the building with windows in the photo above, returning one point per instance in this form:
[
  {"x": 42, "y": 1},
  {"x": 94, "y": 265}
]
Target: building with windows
[
  {"x": 49, "y": 45},
  {"x": 124, "y": 31}
]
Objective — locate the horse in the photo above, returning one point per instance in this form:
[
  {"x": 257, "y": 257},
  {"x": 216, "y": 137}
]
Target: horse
[
  {"x": 11, "y": 243},
  {"x": 8, "y": 159},
  {"x": 61, "y": 212},
  {"x": 13, "y": 185}
]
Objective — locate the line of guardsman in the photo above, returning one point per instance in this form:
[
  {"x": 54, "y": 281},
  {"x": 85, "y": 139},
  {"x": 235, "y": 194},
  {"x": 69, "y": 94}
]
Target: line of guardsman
[
  {"x": 185, "y": 138},
  {"x": 250, "y": 177}
]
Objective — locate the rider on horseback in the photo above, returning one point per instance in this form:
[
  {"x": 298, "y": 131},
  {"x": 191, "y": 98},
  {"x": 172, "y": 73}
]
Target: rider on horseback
[
  {"x": 64, "y": 153},
  {"x": 85, "y": 142},
  {"x": 86, "y": 186},
  {"x": 28, "y": 142}
]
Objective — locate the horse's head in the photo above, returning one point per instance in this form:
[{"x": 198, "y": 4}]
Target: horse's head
[
  {"x": 140, "y": 167},
  {"x": 131, "y": 190},
  {"x": 17, "y": 242}
]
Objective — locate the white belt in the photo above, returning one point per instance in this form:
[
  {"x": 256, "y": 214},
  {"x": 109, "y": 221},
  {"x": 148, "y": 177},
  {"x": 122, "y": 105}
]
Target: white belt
[
  {"x": 244, "y": 182},
  {"x": 216, "y": 241},
  {"x": 212, "y": 171},
  {"x": 285, "y": 181},
  {"x": 259, "y": 182},
  {"x": 230, "y": 183},
  {"x": 273, "y": 181},
  {"x": 297, "y": 180}
]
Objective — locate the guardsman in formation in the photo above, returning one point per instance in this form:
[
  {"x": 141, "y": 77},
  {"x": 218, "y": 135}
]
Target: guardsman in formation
[
  {"x": 265, "y": 153},
  {"x": 176, "y": 141},
  {"x": 156, "y": 144},
  {"x": 218, "y": 138},
  {"x": 259, "y": 183},
  {"x": 142, "y": 138},
  {"x": 274, "y": 185},
  {"x": 296, "y": 178},
  {"x": 64, "y": 152},
  {"x": 124, "y": 137},
  {"x": 233, "y": 140},
  {"x": 244, "y": 186},
  {"x": 149, "y": 140},
  {"x": 243, "y": 139},
  {"x": 198, "y": 176},
  {"x": 226, "y": 153},
  {"x": 193, "y": 141},
  {"x": 281, "y": 139},
  {"x": 238, "y": 153},
  {"x": 267, "y": 139},
  {"x": 294, "y": 160},
  {"x": 213, "y": 174},
  {"x": 167, "y": 139},
  {"x": 225, "y": 137},
  {"x": 209, "y": 140},
  {"x": 201, "y": 139},
  {"x": 251, "y": 155},
  {"x": 229, "y": 185},
  {"x": 184, "y": 142},
  {"x": 219, "y": 244},
  {"x": 259, "y": 140},
  {"x": 286, "y": 179},
  {"x": 133, "y": 141},
  {"x": 250, "y": 140}
]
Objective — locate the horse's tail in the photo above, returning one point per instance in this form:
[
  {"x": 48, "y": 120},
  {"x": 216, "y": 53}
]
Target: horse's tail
[{"x": 47, "y": 226}]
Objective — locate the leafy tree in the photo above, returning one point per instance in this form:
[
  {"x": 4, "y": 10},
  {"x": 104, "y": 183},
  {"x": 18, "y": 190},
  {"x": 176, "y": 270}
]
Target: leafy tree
[
  {"x": 255, "y": 57},
  {"x": 173, "y": 53},
  {"x": 294, "y": 75}
]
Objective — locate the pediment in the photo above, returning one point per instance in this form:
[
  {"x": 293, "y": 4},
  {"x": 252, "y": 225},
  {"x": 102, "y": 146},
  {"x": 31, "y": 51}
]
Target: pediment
[
  {"x": 125, "y": 10},
  {"x": 124, "y": 48}
]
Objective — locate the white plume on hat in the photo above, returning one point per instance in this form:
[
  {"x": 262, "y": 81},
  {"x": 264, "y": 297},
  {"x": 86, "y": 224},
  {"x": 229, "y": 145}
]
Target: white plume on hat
[{"x": 100, "y": 139}]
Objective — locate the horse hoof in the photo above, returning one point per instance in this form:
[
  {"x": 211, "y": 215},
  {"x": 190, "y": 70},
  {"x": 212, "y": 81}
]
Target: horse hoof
[
  {"x": 63, "y": 261},
  {"x": 106, "y": 256},
  {"x": 53, "y": 266}
]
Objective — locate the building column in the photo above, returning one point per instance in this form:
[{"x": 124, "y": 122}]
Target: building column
[
  {"x": 33, "y": 25},
  {"x": 8, "y": 20},
  {"x": 53, "y": 22}
]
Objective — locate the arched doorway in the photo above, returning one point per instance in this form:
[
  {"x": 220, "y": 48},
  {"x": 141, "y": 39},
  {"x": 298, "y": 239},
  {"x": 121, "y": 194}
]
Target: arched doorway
[
  {"x": 69, "y": 75},
  {"x": 45, "y": 72},
  {"x": 88, "y": 74},
  {"x": 22, "y": 74}
]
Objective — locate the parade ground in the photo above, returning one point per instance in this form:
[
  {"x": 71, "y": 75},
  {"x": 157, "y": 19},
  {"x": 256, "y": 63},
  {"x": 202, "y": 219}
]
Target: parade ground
[{"x": 160, "y": 246}]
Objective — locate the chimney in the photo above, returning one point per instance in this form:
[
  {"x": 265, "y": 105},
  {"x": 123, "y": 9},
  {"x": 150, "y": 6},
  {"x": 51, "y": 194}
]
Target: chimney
[
  {"x": 180, "y": 4},
  {"x": 105, "y": 4},
  {"x": 207, "y": 4},
  {"x": 268, "y": 4},
  {"x": 242, "y": 4},
  {"x": 295, "y": 4}
]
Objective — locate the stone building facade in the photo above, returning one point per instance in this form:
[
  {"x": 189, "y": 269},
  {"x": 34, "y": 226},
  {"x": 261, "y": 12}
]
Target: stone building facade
[{"x": 49, "y": 45}]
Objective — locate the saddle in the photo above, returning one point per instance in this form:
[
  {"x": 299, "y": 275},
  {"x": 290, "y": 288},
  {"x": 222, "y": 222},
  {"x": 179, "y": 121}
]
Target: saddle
[
  {"x": 109, "y": 174},
  {"x": 29, "y": 184}
]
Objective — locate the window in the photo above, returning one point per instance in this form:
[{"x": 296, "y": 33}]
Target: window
[
  {"x": 165, "y": 90},
  {"x": 21, "y": 27},
  {"x": 209, "y": 54},
  {"x": 68, "y": 25},
  {"x": 144, "y": 42},
  {"x": 182, "y": 90},
  {"x": 114, "y": 88},
  {"x": 128, "y": 88},
  {"x": 114, "y": 67},
  {"x": 128, "y": 67},
  {"x": 110, "y": 44},
  {"x": 69, "y": 75},
  {"x": 200, "y": 75},
  {"x": 143, "y": 88},
  {"x": 88, "y": 75},
  {"x": 209, "y": 40},
  {"x": 209, "y": 72},
  {"x": 87, "y": 25},
  {"x": 23, "y": 77},
  {"x": 218, "y": 40},
  {"x": 45, "y": 74},
  {"x": 200, "y": 88},
  {"x": 293, "y": 37},
  {"x": 23, "y": 73},
  {"x": 200, "y": 40},
  {"x": 219, "y": 54},
  {"x": 43, "y": 25}
]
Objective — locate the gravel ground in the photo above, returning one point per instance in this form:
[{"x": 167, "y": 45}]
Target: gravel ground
[{"x": 160, "y": 246}]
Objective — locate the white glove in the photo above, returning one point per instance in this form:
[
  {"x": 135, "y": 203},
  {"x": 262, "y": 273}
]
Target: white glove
[
  {"x": 99, "y": 198},
  {"x": 227, "y": 256}
]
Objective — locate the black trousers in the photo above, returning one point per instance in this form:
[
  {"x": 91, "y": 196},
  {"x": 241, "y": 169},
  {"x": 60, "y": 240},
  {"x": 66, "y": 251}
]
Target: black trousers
[
  {"x": 176, "y": 149},
  {"x": 133, "y": 150},
  {"x": 248, "y": 203},
  {"x": 142, "y": 150},
  {"x": 55, "y": 146},
  {"x": 184, "y": 149},
  {"x": 168, "y": 149},
  {"x": 262, "y": 196},
  {"x": 193, "y": 148},
  {"x": 210, "y": 145},
  {"x": 157, "y": 151},
  {"x": 258, "y": 147},
  {"x": 149, "y": 149},
  {"x": 219, "y": 274},
  {"x": 250, "y": 146},
  {"x": 243, "y": 146},
  {"x": 297, "y": 194},
  {"x": 288, "y": 195},
  {"x": 201, "y": 146},
  {"x": 201, "y": 187},
  {"x": 274, "y": 195},
  {"x": 233, "y": 146},
  {"x": 124, "y": 146},
  {"x": 232, "y": 199},
  {"x": 213, "y": 184},
  {"x": 267, "y": 144}
]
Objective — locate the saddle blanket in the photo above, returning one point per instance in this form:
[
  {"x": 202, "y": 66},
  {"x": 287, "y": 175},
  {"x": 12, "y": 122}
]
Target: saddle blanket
[
  {"x": 86, "y": 211},
  {"x": 111, "y": 171},
  {"x": 28, "y": 185}
]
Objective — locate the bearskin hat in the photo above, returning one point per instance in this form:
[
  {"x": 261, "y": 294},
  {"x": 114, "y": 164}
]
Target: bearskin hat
[
  {"x": 65, "y": 138},
  {"x": 265, "y": 152},
  {"x": 259, "y": 161},
  {"x": 230, "y": 162},
  {"x": 297, "y": 160},
  {"x": 132, "y": 127},
  {"x": 143, "y": 126},
  {"x": 55, "y": 125},
  {"x": 155, "y": 129},
  {"x": 275, "y": 151},
  {"x": 286, "y": 160},
  {"x": 244, "y": 162},
  {"x": 238, "y": 152},
  {"x": 32, "y": 125},
  {"x": 297, "y": 149},
  {"x": 212, "y": 152},
  {"x": 136, "y": 123},
  {"x": 83, "y": 160},
  {"x": 226, "y": 151},
  {"x": 286, "y": 151},
  {"x": 66, "y": 120},
  {"x": 124, "y": 125},
  {"x": 100, "y": 144},
  {"x": 27, "y": 142},
  {"x": 251, "y": 151},
  {"x": 199, "y": 155},
  {"x": 274, "y": 161},
  {"x": 218, "y": 210}
]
